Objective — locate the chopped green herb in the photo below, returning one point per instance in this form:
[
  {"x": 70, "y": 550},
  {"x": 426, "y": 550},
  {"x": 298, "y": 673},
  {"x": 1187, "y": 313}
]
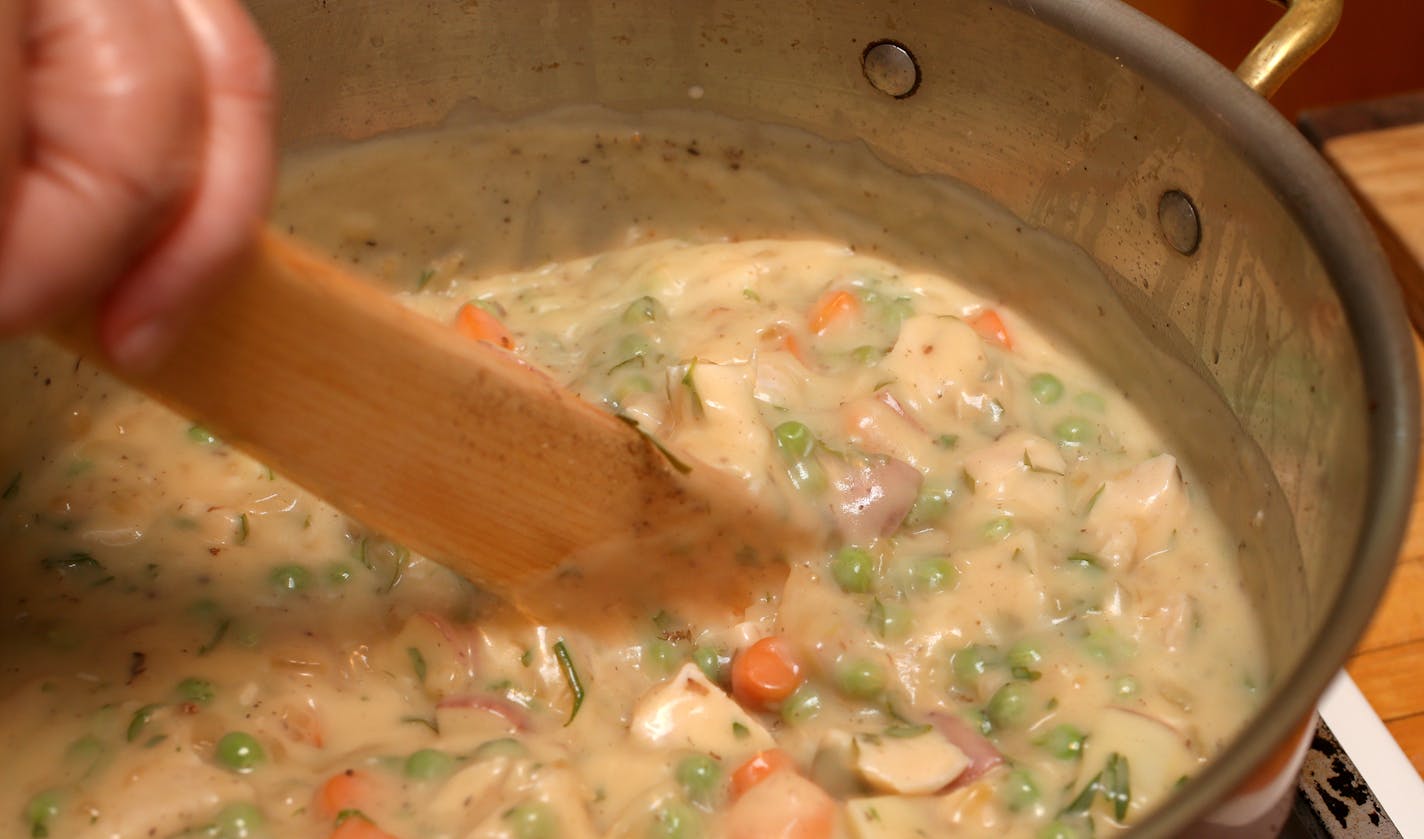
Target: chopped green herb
[
  {"x": 947, "y": 441},
  {"x": 218, "y": 634},
  {"x": 429, "y": 722},
  {"x": 1084, "y": 560},
  {"x": 741, "y": 732},
  {"x": 12, "y": 489},
  {"x": 242, "y": 530},
  {"x": 571, "y": 676},
  {"x": 417, "y": 663},
  {"x": 139, "y": 720},
  {"x": 424, "y": 279},
  {"x": 689, "y": 382},
  {"x": 682, "y": 467},
  {"x": 889, "y": 620},
  {"x": 906, "y": 730},
  {"x": 1115, "y": 784},
  {"x": 77, "y": 561}
]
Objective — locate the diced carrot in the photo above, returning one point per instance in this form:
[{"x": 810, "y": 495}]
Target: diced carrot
[
  {"x": 474, "y": 322},
  {"x": 765, "y": 673},
  {"x": 359, "y": 827},
  {"x": 759, "y": 768},
  {"x": 349, "y": 790},
  {"x": 781, "y": 337},
  {"x": 832, "y": 307},
  {"x": 785, "y": 806},
  {"x": 991, "y": 328}
]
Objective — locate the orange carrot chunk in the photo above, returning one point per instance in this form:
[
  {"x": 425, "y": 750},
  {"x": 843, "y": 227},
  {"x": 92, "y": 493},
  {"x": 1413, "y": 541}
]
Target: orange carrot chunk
[
  {"x": 759, "y": 768},
  {"x": 474, "y": 322},
  {"x": 834, "y": 307},
  {"x": 781, "y": 337},
  {"x": 991, "y": 328},
  {"x": 349, "y": 790},
  {"x": 765, "y": 673}
]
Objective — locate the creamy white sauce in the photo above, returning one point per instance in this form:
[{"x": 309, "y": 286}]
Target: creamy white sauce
[{"x": 1059, "y": 571}]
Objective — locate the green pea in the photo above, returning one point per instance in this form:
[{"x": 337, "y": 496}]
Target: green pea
[
  {"x": 1024, "y": 654},
  {"x": 795, "y": 440},
  {"x": 633, "y": 346},
  {"x": 1090, "y": 402},
  {"x": 1073, "y": 430},
  {"x": 1064, "y": 742},
  {"x": 85, "y": 751},
  {"x": 1009, "y": 704},
  {"x": 890, "y": 620},
  {"x": 802, "y": 705},
  {"x": 998, "y": 529},
  {"x": 239, "y": 821},
  {"x": 933, "y": 573},
  {"x": 807, "y": 476},
  {"x": 41, "y": 812},
  {"x": 643, "y": 310},
  {"x": 661, "y": 656},
  {"x": 699, "y": 776},
  {"x": 240, "y": 752},
  {"x": 199, "y": 434},
  {"x": 675, "y": 820},
  {"x": 1126, "y": 687},
  {"x": 1046, "y": 388},
  {"x": 291, "y": 578},
  {"x": 867, "y": 356},
  {"x": 930, "y": 507},
  {"x": 428, "y": 764},
  {"x": 712, "y": 663},
  {"x": 1019, "y": 791},
  {"x": 972, "y": 662},
  {"x": 500, "y": 747},
  {"x": 532, "y": 820},
  {"x": 339, "y": 574},
  {"x": 860, "y": 678},
  {"x": 853, "y": 570},
  {"x": 1105, "y": 644}
]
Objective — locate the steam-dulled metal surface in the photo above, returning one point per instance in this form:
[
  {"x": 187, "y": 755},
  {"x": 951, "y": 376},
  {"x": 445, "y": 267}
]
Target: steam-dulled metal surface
[{"x": 1076, "y": 116}]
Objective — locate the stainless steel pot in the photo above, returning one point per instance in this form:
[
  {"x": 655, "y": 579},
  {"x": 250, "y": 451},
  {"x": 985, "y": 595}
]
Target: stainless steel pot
[{"x": 1226, "y": 235}]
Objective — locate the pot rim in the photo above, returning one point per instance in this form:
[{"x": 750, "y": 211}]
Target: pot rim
[{"x": 1318, "y": 201}]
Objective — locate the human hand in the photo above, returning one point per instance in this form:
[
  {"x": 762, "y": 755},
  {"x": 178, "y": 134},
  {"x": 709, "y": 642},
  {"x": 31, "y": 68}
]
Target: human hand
[{"x": 136, "y": 158}]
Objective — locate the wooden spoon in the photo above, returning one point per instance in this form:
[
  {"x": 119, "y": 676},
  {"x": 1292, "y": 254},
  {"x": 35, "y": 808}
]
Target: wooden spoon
[{"x": 453, "y": 447}]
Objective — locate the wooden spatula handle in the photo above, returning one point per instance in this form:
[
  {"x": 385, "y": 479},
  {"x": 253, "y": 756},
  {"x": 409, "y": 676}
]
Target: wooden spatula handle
[{"x": 451, "y": 446}]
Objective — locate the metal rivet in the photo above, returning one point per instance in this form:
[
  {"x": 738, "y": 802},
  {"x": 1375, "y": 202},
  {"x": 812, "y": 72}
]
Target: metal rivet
[
  {"x": 1180, "y": 224},
  {"x": 891, "y": 68}
]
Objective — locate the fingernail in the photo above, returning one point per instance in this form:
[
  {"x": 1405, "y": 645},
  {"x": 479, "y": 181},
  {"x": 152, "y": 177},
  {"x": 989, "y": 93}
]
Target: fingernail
[{"x": 141, "y": 348}]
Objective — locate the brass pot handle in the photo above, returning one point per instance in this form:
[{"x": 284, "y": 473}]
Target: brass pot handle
[{"x": 1303, "y": 29}]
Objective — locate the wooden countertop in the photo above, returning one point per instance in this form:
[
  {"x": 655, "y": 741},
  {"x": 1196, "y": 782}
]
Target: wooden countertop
[{"x": 1385, "y": 168}]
